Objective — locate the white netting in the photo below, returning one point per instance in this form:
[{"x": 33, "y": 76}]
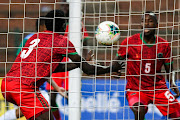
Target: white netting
[{"x": 103, "y": 97}]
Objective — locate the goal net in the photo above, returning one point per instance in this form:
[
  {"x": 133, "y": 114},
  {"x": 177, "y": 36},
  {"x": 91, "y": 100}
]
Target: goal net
[{"x": 102, "y": 97}]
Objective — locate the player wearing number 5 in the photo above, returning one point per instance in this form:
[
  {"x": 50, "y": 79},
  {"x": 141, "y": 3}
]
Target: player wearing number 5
[{"x": 145, "y": 54}]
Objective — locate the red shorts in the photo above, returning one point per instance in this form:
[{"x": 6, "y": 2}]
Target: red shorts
[
  {"x": 31, "y": 103},
  {"x": 61, "y": 79},
  {"x": 163, "y": 99}
]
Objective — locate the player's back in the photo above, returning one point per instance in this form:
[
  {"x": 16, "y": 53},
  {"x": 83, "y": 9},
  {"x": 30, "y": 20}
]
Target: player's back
[{"x": 34, "y": 61}]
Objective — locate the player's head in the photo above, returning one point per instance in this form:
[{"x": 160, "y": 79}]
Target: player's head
[
  {"x": 55, "y": 21},
  {"x": 65, "y": 7},
  {"x": 40, "y": 24},
  {"x": 149, "y": 23}
]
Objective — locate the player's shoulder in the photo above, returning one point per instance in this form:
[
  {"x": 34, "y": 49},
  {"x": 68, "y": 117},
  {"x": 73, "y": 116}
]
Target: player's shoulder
[
  {"x": 30, "y": 37},
  {"x": 135, "y": 36},
  {"x": 44, "y": 37},
  {"x": 60, "y": 40},
  {"x": 160, "y": 39}
]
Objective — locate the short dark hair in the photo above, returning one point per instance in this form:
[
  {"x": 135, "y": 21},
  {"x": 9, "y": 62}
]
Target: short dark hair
[
  {"x": 40, "y": 21},
  {"x": 56, "y": 16},
  {"x": 151, "y": 14}
]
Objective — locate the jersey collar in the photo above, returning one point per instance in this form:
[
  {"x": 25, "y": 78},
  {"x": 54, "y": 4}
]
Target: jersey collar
[
  {"x": 51, "y": 32},
  {"x": 146, "y": 42}
]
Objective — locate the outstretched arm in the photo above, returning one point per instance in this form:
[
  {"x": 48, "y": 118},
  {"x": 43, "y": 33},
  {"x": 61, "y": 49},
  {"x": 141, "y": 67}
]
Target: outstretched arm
[
  {"x": 65, "y": 67},
  {"x": 70, "y": 66},
  {"x": 93, "y": 69}
]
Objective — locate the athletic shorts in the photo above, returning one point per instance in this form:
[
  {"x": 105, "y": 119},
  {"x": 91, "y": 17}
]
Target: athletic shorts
[
  {"x": 163, "y": 99},
  {"x": 61, "y": 79},
  {"x": 31, "y": 103}
]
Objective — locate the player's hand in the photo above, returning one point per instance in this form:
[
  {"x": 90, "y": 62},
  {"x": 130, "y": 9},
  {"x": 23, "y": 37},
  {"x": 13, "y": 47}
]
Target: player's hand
[
  {"x": 62, "y": 92},
  {"x": 176, "y": 90},
  {"x": 89, "y": 56},
  {"x": 117, "y": 67}
]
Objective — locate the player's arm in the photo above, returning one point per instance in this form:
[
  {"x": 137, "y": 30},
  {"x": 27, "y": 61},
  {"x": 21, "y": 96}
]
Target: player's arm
[
  {"x": 118, "y": 60},
  {"x": 169, "y": 69},
  {"x": 63, "y": 67},
  {"x": 171, "y": 79},
  {"x": 70, "y": 66},
  {"x": 60, "y": 90},
  {"x": 168, "y": 64},
  {"x": 93, "y": 69}
]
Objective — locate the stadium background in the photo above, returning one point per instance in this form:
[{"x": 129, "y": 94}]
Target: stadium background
[{"x": 17, "y": 19}]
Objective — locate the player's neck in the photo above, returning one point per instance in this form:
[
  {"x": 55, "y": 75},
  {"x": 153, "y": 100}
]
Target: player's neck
[{"x": 149, "y": 39}]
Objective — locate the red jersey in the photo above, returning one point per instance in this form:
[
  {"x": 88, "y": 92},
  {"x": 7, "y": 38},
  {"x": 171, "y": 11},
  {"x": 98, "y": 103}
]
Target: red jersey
[
  {"x": 61, "y": 78},
  {"x": 39, "y": 57},
  {"x": 144, "y": 62}
]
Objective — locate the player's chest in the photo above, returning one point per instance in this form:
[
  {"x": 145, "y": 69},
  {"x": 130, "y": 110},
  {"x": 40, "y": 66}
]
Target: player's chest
[{"x": 144, "y": 52}]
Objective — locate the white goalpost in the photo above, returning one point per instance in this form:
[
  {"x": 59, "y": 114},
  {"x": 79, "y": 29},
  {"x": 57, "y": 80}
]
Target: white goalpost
[{"x": 74, "y": 99}]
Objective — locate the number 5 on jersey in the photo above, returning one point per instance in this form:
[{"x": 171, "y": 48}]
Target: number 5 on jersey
[
  {"x": 26, "y": 53},
  {"x": 147, "y": 67},
  {"x": 169, "y": 96}
]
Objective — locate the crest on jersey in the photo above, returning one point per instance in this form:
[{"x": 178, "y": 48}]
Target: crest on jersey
[{"x": 160, "y": 55}]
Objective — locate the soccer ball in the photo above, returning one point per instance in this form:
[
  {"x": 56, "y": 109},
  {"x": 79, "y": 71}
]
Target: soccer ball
[{"x": 107, "y": 33}]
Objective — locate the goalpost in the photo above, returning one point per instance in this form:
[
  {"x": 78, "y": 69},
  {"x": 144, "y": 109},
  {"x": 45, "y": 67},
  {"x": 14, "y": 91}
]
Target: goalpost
[
  {"x": 74, "y": 99},
  {"x": 90, "y": 97}
]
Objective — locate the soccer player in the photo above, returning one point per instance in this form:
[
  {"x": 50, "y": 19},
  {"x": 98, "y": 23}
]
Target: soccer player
[
  {"x": 62, "y": 78},
  {"x": 13, "y": 114},
  {"x": 41, "y": 56},
  {"x": 145, "y": 54}
]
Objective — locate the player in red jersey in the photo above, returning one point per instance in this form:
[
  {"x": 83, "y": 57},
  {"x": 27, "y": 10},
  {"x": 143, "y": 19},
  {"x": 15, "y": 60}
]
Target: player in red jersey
[
  {"x": 41, "y": 56},
  {"x": 13, "y": 114},
  {"x": 62, "y": 78},
  {"x": 145, "y": 54}
]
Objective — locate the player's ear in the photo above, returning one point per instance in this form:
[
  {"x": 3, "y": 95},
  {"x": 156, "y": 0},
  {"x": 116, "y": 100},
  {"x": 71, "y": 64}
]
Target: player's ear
[
  {"x": 64, "y": 26},
  {"x": 157, "y": 25}
]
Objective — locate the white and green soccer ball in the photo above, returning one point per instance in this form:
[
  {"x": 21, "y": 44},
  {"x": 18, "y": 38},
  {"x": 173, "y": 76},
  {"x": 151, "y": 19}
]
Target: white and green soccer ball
[{"x": 107, "y": 33}]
